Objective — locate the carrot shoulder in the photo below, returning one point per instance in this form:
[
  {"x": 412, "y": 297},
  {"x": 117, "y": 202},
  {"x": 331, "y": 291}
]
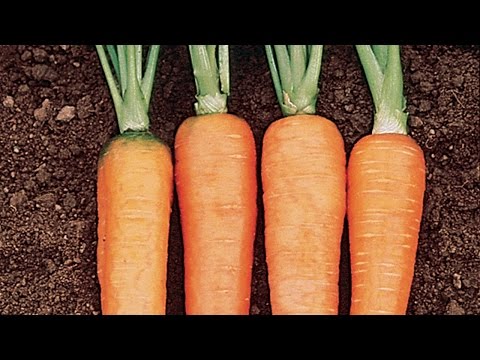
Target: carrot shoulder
[
  {"x": 136, "y": 178},
  {"x": 303, "y": 177},
  {"x": 386, "y": 182},
  {"x": 215, "y": 175}
]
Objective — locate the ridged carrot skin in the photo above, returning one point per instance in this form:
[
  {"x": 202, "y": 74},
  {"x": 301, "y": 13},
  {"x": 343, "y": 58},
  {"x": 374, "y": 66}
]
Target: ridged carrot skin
[
  {"x": 303, "y": 176},
  {"x": 135, "y": 187},
  {"x": 386, "y": 183},
  {"x": 215, "y": 176}
]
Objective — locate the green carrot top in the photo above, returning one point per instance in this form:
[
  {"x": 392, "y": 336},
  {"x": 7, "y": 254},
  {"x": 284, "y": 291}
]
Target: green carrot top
[
  {"x": 383, "y": 70},
  {"x": 295, "y": 71},
  {"x": 211, "y": 72},
  {"x": 130, "y": 87}
]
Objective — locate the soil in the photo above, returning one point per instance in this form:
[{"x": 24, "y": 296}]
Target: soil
[{"x": 56, "y": 113}]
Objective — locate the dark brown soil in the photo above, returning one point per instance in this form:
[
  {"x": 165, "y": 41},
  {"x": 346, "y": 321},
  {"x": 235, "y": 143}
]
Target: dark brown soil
[{"x": 48, "y": 167}]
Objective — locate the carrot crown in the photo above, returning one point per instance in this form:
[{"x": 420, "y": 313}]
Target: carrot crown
[
  {"x": 295, "y": 72},
  {"x": 130, "y": 87},
  {"x": 383, "y": 70},
  {"x": 211, "y": 72}
]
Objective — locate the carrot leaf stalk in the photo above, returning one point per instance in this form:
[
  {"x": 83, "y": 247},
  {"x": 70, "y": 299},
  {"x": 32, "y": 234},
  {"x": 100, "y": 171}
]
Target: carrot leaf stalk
[
  {"x": 130, "y": 86},
  {"x": 383, "y": 70},
  {"x": 295, "y": 72},
  {"x": 211, "y": 72}
]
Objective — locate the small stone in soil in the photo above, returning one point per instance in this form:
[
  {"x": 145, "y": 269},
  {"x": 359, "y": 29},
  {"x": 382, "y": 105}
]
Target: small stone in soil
[
  {"x": 44, "y": 72},
  {"x": 84, "y": 107},
  {"x": 51, "y": 267},
  {"x": 425, "y": 106},
  {"x": 40, "y": 114},
  {"x": 18, "y": 198},
  {"x": 415, "y": 121},
  {"x": 27, "y": 55},
  {"x": 43, "y": 175},
  {"x": 457, "y": 81},
  {"x": 39, "y": 55},
  {"x": 64, "y": 154},
  {"x": 69, "y": 202},
  {"x": 29, "y": 184},
  {"x": 46, "y": 201},
  {"x": 23, "y": 89},
  {"x": 457, "y": 282},
  {"x": 453, "y": 308},
  {"x": 8, "y": 102},
  {"x": 426, "y": 86},
  {"x": 67, "y": 113}
]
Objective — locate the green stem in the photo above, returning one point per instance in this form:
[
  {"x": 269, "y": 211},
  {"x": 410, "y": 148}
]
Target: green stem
[
  {"x": 112, "y": 85},
  {"x": 212, "y": 60},
  {"x": 210, "y": 98},
  {"x": 134, "y": 114},
  {"x": 284, "y": 69},
  {"x": 307, "y": 92},
  {"x": 295, "y": 71},
  {"x": 122, "y": 62},
  {"x": 207, "y": 81},
  {"x": 114, "y": 58},
  {"x": 274, "y": 72},
  {"x": 224, "y": 68},
  {"x": 149, "y": 76},
  {"x": 373, "y": 72},
  {"x": 298, "y": 63},
  {"x": 381, "y": 53},
  {"x": 387, "y": 88},
  {"x": 132, "y": 97},
  {"x": 138, "y": 61}
]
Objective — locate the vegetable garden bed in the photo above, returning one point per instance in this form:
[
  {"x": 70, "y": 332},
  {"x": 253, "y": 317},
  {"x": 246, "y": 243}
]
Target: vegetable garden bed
[{"x": 57, "y": 114}]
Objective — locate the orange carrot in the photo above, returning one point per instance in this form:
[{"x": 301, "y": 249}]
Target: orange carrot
[
  {"x": 101, "y": 228},
  {"x": 386, "y": 183},
  {"x": 136, "y": 184},
  {"x": 216, "y": 185},
  {"x": 215, "y": 174},
  {"x": 303, "y": 176},
  {"x": 134, "y": 193}
]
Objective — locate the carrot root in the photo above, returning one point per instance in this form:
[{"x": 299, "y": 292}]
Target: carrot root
[
  {"x": 135, "y": 185},
  {"x": 215, "y": 174},
  {"x": 303, "y": 176},
  {"x": 386, "y": 183}
]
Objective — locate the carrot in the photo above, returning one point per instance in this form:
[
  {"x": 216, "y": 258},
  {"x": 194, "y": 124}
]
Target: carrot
[
  {"x": 386, "y": 183},
  {"x": 303, "y": 178},
  {"x": 215, "y": 174},
  {"x": 101, "y": 228},
  {"x": 134, "y": 193}
]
